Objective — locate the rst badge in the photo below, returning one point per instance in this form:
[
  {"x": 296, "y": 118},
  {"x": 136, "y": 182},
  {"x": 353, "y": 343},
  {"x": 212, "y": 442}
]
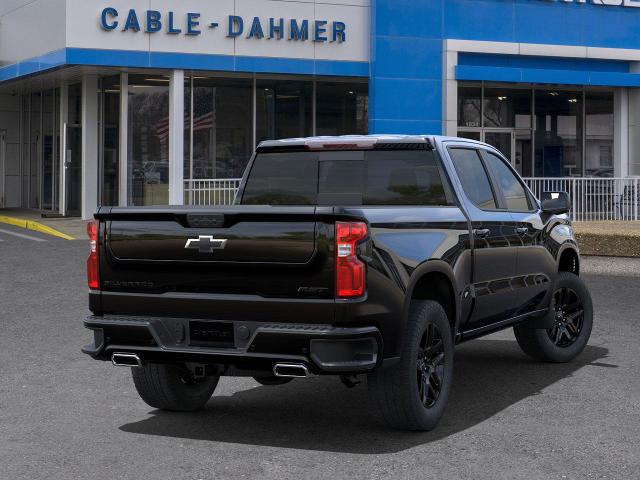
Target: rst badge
[{"x": 205, "y": 243}]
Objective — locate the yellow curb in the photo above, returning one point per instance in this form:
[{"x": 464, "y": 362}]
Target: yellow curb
[{"x": 32, "y": 225}]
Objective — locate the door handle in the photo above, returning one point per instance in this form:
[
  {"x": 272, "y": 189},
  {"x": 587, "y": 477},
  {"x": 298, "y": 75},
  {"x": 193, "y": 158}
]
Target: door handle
[
  {"x": 481, "y": 232},
  {"x": 522, "y": 231}
]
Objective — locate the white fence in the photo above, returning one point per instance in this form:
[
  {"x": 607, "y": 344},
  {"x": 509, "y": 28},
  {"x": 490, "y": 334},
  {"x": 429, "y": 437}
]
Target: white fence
[
  {"x": 216, "y": 191},
  {"x": 594, "y": 198}
]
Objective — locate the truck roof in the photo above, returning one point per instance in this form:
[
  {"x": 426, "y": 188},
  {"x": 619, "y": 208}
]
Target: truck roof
[{"x": 364, "y": 140}]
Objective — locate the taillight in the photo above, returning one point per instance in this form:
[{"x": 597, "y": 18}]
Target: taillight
[
  {"x": 92, "y": 262},
  {"x": 350, "y": 270}
]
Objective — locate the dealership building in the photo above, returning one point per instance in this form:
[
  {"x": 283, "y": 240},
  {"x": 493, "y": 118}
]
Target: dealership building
[{"x": 148, "y": 102}]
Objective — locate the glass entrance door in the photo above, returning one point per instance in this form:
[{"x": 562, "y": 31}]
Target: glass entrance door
[
  {"x": 73, "y": 170},
  {"x": 50, "y": 169},
  {"x": 502, "y": 140},
  {"x": 72, "y": 151}
]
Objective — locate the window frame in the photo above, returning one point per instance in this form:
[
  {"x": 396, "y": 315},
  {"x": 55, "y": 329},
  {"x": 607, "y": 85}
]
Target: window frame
[
  {"x": 497, "y": 194},
  {"x": 533, "y": 204}
]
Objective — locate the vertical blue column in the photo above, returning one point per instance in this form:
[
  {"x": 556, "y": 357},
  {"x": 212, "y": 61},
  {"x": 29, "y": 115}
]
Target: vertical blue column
[{"x": 405, "y": 89}]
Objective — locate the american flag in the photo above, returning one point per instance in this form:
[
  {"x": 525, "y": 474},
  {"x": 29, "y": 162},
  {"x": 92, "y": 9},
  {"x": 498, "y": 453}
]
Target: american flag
[{"x": 203, "y": 122}]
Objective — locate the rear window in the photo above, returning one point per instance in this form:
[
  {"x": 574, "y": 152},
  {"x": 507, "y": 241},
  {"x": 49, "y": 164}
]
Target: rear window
[{"x": 390, "y": 177}]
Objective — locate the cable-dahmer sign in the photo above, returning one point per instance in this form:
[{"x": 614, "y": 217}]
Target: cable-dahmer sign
[{"x": 192, "y": 23}]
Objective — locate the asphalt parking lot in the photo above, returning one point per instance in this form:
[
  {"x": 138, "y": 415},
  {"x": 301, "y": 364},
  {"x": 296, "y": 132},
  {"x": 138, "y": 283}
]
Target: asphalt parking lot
[{"x": 64, "y": 416}]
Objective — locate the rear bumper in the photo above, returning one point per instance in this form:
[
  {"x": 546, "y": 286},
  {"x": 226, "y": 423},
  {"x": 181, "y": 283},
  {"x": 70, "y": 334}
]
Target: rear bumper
[{"x": 323, "y": 349}]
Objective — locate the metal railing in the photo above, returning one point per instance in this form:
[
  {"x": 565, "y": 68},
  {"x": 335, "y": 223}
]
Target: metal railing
[
  {"x": 594, "y": 198},
  {"x": 212, "y": 191}
]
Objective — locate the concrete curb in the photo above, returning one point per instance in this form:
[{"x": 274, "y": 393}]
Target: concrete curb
[
  {"x": 608, "y": 241},
  {"x": 35, "y": 226}
]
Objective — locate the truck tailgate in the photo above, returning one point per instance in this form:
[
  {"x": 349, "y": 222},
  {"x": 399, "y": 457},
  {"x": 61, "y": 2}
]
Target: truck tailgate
[{"x": 177, "y": 261}]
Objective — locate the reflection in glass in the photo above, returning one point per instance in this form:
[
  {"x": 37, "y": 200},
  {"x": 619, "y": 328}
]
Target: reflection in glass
[
  {"x": 512, "y": 190},
  {"x": 471, "y": 135},
  {"x": 501, "y": 141},
  {"x": 148, "y": 140},
  {"x": 110, "y": 89},
  {"x": 341, "y": 108},
  {"x": 24, "y": 180},
  {"x": 521, "y": 159},
  {"x": 48, "y": 151},
  {"x": 558, "y": 137},
  {"x": 283, "y": 109},
  {"x": 599, "y": 134},
  {"x": 469, "y": 106},
  {"x": 31, "y": 187},
  {"x": 473, "y": 177},
  {"x": 507, "y": 107},
  {"x": 222, "y": 127},
  {"x": 73, "y": 155}
]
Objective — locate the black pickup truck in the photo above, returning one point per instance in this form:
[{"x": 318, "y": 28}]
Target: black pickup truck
[{"x": 347, "y": 256}]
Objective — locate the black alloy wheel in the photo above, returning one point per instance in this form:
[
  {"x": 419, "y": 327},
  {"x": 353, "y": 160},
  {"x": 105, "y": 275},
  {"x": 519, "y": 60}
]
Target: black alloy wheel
[
  {"x": 569, "y": 317},
  {"x": 412, "y": 393},
  {"x": 430, "y": 366},
  {"x": 568, "y": 335}
]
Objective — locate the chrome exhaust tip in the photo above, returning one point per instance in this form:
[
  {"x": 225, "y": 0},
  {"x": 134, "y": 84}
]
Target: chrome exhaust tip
[
  {"x": 290, "y": 370},
  {"x": 126, "y": 360}
]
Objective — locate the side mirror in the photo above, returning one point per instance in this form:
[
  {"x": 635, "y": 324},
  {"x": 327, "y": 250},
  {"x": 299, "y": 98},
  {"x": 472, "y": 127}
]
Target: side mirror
[{"x": 555, "y": 203}]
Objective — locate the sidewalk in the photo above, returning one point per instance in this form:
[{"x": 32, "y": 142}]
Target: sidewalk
[
  {"x": 66, "y": 226},
  {"x": 615, "y": 239}
]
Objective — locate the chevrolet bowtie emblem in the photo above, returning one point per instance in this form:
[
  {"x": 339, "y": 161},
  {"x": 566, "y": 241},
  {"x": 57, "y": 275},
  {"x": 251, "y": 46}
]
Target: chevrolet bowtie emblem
[{"x": 206, "y": 243}]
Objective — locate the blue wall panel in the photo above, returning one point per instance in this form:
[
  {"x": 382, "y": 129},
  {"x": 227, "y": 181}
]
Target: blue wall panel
[
  {"x": 406, "y": 66},
  {"x": 407, "y": 38},
  {"x": 479, "y": 19},
  {"x": 542, "y": 21}
]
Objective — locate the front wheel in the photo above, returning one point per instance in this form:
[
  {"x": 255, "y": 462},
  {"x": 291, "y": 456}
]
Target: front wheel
[
  {"x": 172, "y": 387},
  {"x": 413, "y": 393},
  {"x": 572, "y": 327}
]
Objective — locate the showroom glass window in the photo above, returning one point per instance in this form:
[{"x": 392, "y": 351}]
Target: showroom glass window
[
  {"x": 222, "y": 128},
  {"x": 341, "y": 108},
  {"x": 469, "y": 106},
  {"x": 148, "y": 140},
  {"x": 110, "y": 134},
  {"x": 284, "y": 109},
  {"x": 599, "y": 134},
  {"x": 507, "y": 107},
  {"x": 558, "y": 135},
  {"x": 49, "y": 166},
  {"x": 543, "y": 131},
  {"x": 41, "y": 112},
  {"x": 73, "y": 157}
]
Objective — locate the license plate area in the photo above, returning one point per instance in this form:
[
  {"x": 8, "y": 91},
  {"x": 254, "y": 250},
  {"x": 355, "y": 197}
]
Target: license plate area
[{"x": 211, "y": 334}]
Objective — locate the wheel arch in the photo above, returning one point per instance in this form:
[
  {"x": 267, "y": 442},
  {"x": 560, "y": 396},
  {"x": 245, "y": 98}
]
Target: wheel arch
[
  {"x": 421, "y": 287},
  {"x": 569, "y": 259}
]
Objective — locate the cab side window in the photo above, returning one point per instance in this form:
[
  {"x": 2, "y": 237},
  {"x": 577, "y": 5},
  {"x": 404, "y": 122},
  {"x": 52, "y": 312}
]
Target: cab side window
[
  {"x": 473, "y": 177},
  {"x": 515, "y": 196}
]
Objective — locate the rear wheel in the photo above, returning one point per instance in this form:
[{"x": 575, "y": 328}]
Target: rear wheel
[
  {"x": 572, "y": 327},
  {"x": 413, "y": 393},
  {"x": 172, "y": 387}
]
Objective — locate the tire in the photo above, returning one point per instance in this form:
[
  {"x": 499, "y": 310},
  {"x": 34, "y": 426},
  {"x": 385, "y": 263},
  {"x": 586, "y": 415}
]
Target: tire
[
  {"x": 397, "y": 392},
  {"x": 272, "y": 380},
  {"x": 574, "y": 321},
  {"x": 172, "y": 387}
]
